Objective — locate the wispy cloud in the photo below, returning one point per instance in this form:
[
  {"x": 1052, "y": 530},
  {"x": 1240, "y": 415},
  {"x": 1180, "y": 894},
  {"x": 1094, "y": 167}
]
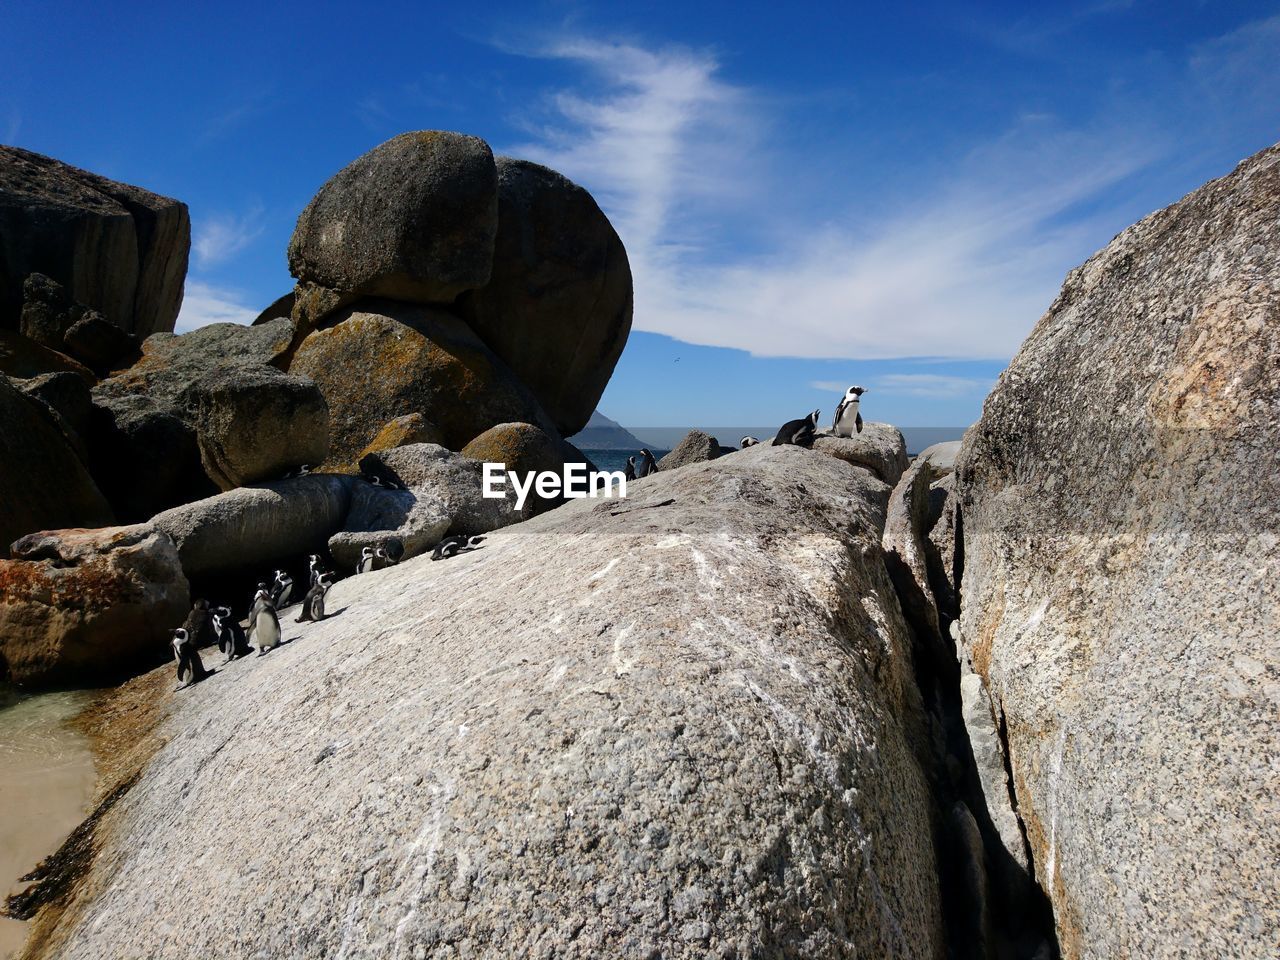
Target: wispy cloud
[
  {"x": 204, "y": 303},
  {"x": 13, "y": 124},
  {"x": 219, "y": 238},
  {"x": 829, "y": 386},
  {"x": 931, "y": 385}
]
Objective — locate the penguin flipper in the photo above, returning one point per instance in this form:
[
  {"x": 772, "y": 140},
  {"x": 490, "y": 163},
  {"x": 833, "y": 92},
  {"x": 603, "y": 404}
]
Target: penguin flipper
[{"x": 859, "y": 423}]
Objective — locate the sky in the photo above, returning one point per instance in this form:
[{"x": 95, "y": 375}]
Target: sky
[{"x": 881, "y": 194}]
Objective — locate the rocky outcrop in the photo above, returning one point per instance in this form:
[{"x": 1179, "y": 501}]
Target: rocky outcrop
[
  {"x": 413, "y": 219},
  {"x": 86, "y": 606},
  {"x": 524, "y": 448},
  {"x": 100, "y": 345},
  {"x": 257, "y": 423},
  {"x": 695, "y": 447},
  {"x": 406, "y": 522},
  {"x": 411, "y": 428},
  {"x": 880, "y": 448},
  {"x": 115, "y": 248},
  {"x": 67, "y": 395},
  {"x": 558, "y": 306},
  {"x": 22, "y": 357},
  {"x": 1118, "y": 502},
  {"x": 53, "y": 320},
  {"x": 43, "y": 482},
  {"x": 609, "y": 754},
  {"x": 253, "y": 527},
  {"x": 427, "y": 361}
]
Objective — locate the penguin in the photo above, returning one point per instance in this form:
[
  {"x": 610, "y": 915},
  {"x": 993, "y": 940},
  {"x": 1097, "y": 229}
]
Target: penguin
[
  {"x": 189, "y": 663},
  {"x": 748, "y": 442},
  {"x": 314, "y": 568},
  {"x": 231, "y": 637},
  {"x": 382, "y": 558},
  {"x": 798, "y": 432},
  {"x": 199, "y": 629},
  {"x": 299, "y": 471},
  {"x": 647, "y": 465},
  {"x": 281, "y": 590},
  {"x": 367, "y": 559},
  {"x": 451, "y": 546},
  {"x": 630, "y": 472},
  {"x": 847, "y": 417},
  {"x": 266, "y": 627},
  {"x": 261, "y": 598},
  {"x": 313, "y": 602},
  {"x": 382, "y": 482}
]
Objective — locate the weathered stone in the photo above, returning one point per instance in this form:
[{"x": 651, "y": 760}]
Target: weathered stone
[
  {"x": 880, "y": 448},
  {"x": 413, "y": 219},
  {"x": 253, "y": 527},
  {"x": 23, "y": 358},
  {"x": 427, "y": 361},
  {"x": 47, "y": 311},
  {"x": 524, "y": 448},
  {"x": 695, "y": 447},
  {"x": 67, "y": 395},
  {"x": 256, "y": 423},
  {"x": 941, "y": 455},
  {"x": 426, "y": 468},
  {"x": 116, "y": 248},
  {"x": 414, "y": 521},
  {"x": 411, "y": 428},
  {"x": 43, "y": 483},
  {"x": 88, "y": 607},
  {"x": 577, "y": 739},
  {"x": 558, "y": 306},
  {"x": 100, "y": 345},
  {"x": 1121, "y": 538},
  {"x": 906, "y": 531},
  {"x": 280, "y": 307}
]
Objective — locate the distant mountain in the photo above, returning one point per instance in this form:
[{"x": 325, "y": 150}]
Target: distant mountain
[{"x": 601, "y": 433}]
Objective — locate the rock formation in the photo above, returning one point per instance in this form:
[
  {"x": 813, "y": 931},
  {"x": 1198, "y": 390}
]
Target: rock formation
[
  {"x": 880, "y": 448},
  {"x": 115, "y": 248},
  {"x": 694, "y": 447}
]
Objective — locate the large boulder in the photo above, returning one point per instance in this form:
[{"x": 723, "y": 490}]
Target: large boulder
[
  {"x": 255, "y": 423},
  {"x": 408, "y": 522},
  {"x": 1120, "y": 600},
  {"x": 413, "y": 219},
  {"x": 880, "y": 448},
  {"x": 558, "y": 306},
  {"x": 694, "y": 447},
  {"x": 410, "y": 428},
  {"x": 116, "y": 248},
  {"x": 254, "y": 527},
  {"x": 523, "y": 448},
  {"x": 43, "y": 483},
  {"x": 380, "y": 360},
  {"x": 576, "y": 741},
  {"x": 67, "y": 394},
  {"x": 86, "y": 607},
  {"x": 23, "y": 358}
]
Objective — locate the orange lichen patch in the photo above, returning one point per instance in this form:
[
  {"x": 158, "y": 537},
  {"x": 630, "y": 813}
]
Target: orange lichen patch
[
  {"x": 91, "y": 586},
  {"x": 411, "y": 428},
  {"x": 980, "y": 649}
]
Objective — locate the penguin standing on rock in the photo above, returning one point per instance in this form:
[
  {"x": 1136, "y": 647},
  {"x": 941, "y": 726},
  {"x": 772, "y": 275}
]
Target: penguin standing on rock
[
  {"x": 748, "y": 442},
  {"x": 190, "y": 667},
  {"x": 847, "y": 418},
  {"x": 262, "y": 597},
  {"x": 197, "y": 625},
  {"x": 367, "y": 559},
  {"x": 313, "y": 602},
  {"x": 282, "y": 590},
  {"x": 647, "y": 464},
  {"x": 800, "y": 433},
  {"x": 231, "y": 638},
  {"x": 630, "y": 472},
  {"x": 265, "y": 627},
  {"x": 315, "y": 571}
]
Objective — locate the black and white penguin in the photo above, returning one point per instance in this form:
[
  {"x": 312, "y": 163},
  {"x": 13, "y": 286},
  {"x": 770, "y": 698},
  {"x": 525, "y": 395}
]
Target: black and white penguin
[
  {"x": 315, "y": 569},
  {"x": 198, "y": 627},
  {"x": 630, "y": 472},
  {"x": 190, "y": 667},
  {"x": 281, "y": 590},
  {"x": 313, "y": 602},
  {"x": 798, "y": 432},
  {"x": 263, "y": 596},
  {"x": 452, "y": 546},
  {"x": 382, "y": 558},
  {"x": 847, "y": 418},
  {"x": 299, "y": 471},
  {"x": 265, "y": 627},
  {"x": 231, "y": 638},
  {"x": 748, "y": 442},
  {"x": 367, "y": 560},
  {"x": 382, "y": 482},
  {"x": 647, "y": 464}
]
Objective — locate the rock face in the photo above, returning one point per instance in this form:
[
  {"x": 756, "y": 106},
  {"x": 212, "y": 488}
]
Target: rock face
[
  {"x": 408, "y": 522},
  {"x": 657, "y": 770},
  {"x": 413, "y": 219},
  {"x": 255, "y": 526},
  {"x": 255, "y": 424},
  {"x": 524, "y": 448},
  {"x": 427, "y": 362},
  {"x": 558, "y": 306},
  {"x": 116, "y": 248},
  {"x": 695, "y": 447},
  {"x": 1121, "y": 538},
  {"x": 880, "y": 448},
  {"x": 22, "y": 357},
  {"x": 411, "y": 428},
  {"x": 88, "y": 605},
  {"x": 43, "y": 483}
]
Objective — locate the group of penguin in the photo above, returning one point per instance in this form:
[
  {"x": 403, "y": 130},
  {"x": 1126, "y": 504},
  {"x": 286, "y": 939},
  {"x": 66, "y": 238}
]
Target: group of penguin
[{"x": 264, "y": 619}]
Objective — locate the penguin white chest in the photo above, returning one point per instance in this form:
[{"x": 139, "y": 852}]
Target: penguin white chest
[{"x": 848, "y": 419}]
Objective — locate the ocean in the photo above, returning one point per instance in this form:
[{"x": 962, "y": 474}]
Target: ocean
[{"x": 617, "y": 459}]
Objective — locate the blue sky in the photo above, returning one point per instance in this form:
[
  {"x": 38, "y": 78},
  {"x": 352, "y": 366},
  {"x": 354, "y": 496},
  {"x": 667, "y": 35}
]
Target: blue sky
[{"x": 809, "y": 197}]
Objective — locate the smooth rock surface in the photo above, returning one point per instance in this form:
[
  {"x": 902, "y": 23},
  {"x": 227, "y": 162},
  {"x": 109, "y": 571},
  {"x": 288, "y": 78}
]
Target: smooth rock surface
[
  {"x": 880, "y": 448},
  {"x": 86, "y": 606},
  {"x": 608, "y": 755},
  {"x": 694, "y": 447},
  {"x": 254, "y": 526},
  {"x": 557, "y": 308},
  {"x": 116, "y": 248},
  {"x": 414, "y": 520},
  {"x": 257, "y": 423},
  {"x": 1120, "y": 599},
  {"x": 413, "y": 219},
  {"x": 427, "y": 361},
  {"x": 43, "y": 482}
]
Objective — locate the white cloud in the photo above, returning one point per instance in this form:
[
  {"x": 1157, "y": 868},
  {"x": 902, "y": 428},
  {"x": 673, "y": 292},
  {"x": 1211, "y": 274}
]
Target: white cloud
[
  {"x": 829, "y": 386},
  {"x": 203, "y": 304},
  {"x": 931, "y": 385},
  {"x": 219, "y": 238}
]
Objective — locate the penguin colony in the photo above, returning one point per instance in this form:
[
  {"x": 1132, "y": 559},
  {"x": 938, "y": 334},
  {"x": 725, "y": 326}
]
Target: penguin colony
[{"x": 205, "y": 625}]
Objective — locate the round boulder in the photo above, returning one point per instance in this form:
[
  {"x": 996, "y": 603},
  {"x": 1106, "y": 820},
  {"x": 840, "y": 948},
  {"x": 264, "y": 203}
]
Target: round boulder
[
  {"x": 522, "y": 448},
  {"x": 87, "y": 607},
  {"x": 409, "y": 521},
  {"x": 558, "y": 305},
  {"x": 255, "y": 423},
  {"x": 413, "y": 219},
  {"x": 694, "y": 448},
  {"x": 879, "y": 448},
  {"x": 411, "y": 428}
]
